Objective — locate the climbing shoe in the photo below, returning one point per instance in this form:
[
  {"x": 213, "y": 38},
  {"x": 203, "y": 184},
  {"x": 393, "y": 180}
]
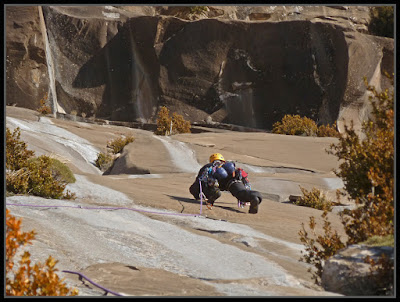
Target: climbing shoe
[{"x": 254, "y": 206}]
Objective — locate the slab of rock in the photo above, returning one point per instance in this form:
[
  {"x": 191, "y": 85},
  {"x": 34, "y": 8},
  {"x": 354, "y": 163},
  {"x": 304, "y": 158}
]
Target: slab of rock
[{"x": 347, "y": 273}]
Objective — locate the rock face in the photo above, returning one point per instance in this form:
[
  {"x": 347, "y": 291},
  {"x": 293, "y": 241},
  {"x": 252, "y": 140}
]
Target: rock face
[
  {"x": 122, "y": 63},
  {"x": 26, "y": 68},
  {"x": 347, "y": 274}
]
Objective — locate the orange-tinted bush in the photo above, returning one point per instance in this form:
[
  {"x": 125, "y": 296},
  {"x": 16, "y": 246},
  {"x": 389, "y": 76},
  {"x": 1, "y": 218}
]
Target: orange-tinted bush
[
  {"x": 321, "y": 248},
  {"x": 314, "y": 199},
  {"x": 328, "y": 131},
  {"x": 44, "y": 109},
  {"x": 167, "y": 125},
  {"x": 295, "y": 125},
  {"x": 116, "y": 145},
  {"x": 24, "y": 279}
]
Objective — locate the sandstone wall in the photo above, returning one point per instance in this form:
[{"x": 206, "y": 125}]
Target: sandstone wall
[{"x": 122, "y": 63}]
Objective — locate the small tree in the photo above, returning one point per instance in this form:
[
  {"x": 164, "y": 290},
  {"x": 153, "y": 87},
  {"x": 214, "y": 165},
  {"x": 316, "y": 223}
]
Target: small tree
[
  {"x": 27, "y": 280},
  {"x": 43, "y": 108},
  {"x": 367, "y": 169},
  {"x": 163, "y": 121}
]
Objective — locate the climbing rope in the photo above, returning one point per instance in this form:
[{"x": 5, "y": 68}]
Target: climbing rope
[
  {"x": 101, "y": 208},
  {"x": 94, "y": 283}
]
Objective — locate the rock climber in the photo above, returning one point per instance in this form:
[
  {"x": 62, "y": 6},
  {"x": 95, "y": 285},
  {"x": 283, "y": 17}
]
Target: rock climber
[
  {"x": 220, "y": 175},
  {"x": 209, "y": 184}
]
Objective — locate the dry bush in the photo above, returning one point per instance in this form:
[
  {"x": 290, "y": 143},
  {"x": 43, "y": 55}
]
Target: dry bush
[
  {"x": 321, "y": 248},
  {"x": 295, "y": 125},
  {"x": 314, "y": 199},
  {"x": 17, "y": 154},
  {"x": 43, "y": 108},
  {"x": 28, "y": 280},
  {"x": 163, "y": 122},
  {"x": 382, "y": 273},
  {"x": 167, "y": 125},
  {"x": 115, "y": 146},
  {"x": 104, "y": 160},
  {"x": 367, "y": 170},
  {"x": 179, "y": 124},
  {"x": 118, "y": 144},
  {"x": 328, "y": 131}
]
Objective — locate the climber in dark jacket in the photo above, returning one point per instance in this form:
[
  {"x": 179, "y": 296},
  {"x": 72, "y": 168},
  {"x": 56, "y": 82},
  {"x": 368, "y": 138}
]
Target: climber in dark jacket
[
  {"x": 224, "y": 176},
  {"x": 209, "y": 184}
]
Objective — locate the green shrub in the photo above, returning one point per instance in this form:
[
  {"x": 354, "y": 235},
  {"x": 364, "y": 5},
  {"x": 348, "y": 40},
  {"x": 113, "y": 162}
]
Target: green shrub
[
  {"x": 165, "y": 123},
  {"x": 41, "y": 176},
  {"x": 387, "y": 240},
  {"x": 314, "y": 199},
  {"x": 59, "y": 170},
  {"x": 104, "y": 161},
  {"x": 118, "y": 144},
  {"x": 37, "y": 179},
  {"x": 382, "y": 21},
  {"x": 295, "y": 125}
]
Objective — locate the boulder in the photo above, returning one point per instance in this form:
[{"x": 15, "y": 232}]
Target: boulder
[
  {"x": 347, "y": 273},
  {"x": 247, "y": 66}
]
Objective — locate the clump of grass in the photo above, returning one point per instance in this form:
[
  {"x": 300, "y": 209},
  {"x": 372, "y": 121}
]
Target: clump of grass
[{"x": 387, "y": 240}]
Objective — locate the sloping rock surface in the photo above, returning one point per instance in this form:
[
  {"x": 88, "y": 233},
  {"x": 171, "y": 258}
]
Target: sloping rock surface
[{"x": 128, "y": 227}]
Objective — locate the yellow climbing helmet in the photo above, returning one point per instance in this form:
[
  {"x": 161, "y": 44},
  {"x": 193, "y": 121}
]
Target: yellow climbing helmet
[{"x": 216, "y": 156}]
